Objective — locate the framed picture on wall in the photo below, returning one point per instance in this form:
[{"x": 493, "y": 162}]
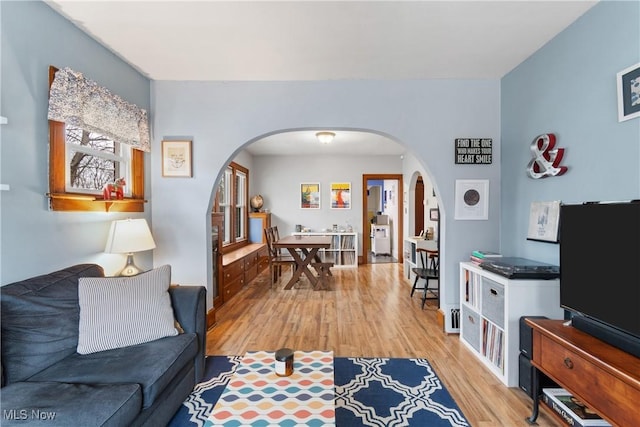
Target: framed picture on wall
[
  {"x": 628, "y": 82},
  {"x": 472, "y": 199},
  {"x": 340, "y": 195},
  {"x": 309, "y": 195},
  {"x": 434, "y": 214},
  {"x": 176, "y": 159},
  {"x": 544, "y": 219}
]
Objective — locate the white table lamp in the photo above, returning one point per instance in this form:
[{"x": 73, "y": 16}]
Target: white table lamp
[{"x": 126, "y": 237}]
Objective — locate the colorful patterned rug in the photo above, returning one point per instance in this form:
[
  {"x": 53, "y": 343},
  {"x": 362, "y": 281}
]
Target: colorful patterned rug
[{"x": 368, "y": 392}]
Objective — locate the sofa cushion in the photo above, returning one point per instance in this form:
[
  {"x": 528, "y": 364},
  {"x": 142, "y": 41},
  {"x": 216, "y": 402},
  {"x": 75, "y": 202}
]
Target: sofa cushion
[
  {"x": 152, "y": 365},
  {"x": 63, "y": 404},
  {"x": 40, "y": 320},
  {"x": 122, "y": 311}
]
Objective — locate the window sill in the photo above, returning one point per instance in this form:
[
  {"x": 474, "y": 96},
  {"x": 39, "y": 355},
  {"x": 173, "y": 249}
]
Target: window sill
[
  {"x": 230, "y": 247},
  {"x": 90, "y": 203}
]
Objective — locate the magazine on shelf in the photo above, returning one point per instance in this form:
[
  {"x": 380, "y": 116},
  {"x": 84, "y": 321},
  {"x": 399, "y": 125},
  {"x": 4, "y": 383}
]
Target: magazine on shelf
[
  {"x": 476, "y": 260},
  {"x": 571, "y": 410},
  {"x": 485, "y": 254}
]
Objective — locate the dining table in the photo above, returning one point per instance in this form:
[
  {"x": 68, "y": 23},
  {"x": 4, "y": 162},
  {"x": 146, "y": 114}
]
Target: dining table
[{"x": 303, "y": 249}]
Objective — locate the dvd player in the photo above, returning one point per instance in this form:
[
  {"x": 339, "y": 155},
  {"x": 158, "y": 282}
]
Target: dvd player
[{"x": 521, "y": 268}]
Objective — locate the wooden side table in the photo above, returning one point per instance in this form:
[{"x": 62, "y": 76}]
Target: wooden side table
[{"x": 604, "y": 377}]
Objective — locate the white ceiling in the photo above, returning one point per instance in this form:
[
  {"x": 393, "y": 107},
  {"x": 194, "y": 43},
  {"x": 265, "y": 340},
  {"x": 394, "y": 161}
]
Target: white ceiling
[{"x": 322, "y": 40}]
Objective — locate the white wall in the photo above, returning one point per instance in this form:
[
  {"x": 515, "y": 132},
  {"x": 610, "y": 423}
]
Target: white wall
[
  {"x": 222, "y": 117},
  {"x": 278, "y": 178}
]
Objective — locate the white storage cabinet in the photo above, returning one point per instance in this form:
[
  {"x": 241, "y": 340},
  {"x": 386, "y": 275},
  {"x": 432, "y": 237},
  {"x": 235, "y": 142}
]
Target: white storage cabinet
[{"x": 490, "y": 309}]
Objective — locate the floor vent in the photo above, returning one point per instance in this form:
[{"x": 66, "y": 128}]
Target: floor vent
[{"x": 455, "y": 318}]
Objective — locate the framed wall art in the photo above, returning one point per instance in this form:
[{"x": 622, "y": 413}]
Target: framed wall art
[
  {"x": 434, "y": 214},
  {"x": 472, "y": 199},
  {"x": 176, "y": 159},
  {"x": 544, "y": 220},
  {"x": 340, "y": 195},
  {"x": 628, "y": 82},
  {"x": 310, "y": 195}
]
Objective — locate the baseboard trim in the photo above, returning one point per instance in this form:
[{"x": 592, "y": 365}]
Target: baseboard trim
[{"x": 211, "y": 318}]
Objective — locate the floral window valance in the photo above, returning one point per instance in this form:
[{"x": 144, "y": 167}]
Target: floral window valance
[{"x": 81, "y": 102}]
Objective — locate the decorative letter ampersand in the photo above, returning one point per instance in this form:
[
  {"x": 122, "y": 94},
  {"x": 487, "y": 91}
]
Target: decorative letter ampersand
[{"x": 546, "y": 158}]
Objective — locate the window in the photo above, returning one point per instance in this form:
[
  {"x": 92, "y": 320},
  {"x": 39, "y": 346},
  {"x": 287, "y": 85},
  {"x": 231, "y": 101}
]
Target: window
[
  {"x": 224, "y": 200},
  {"x": 93, "y": 160},
  {"x": 232, "y": 202},
  {"x": 81, "y": 162},
  {"x": 241, "y": 204}
]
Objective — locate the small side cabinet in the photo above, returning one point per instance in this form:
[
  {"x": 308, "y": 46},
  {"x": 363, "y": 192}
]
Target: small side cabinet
[{"x": 258, "y": 221}]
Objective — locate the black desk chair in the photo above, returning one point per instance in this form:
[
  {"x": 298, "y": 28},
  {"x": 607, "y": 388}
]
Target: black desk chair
[{"x": 429, "y": 271}]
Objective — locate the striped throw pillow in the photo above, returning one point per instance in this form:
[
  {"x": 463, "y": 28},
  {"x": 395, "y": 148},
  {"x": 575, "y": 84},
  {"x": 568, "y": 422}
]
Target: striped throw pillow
[{"x": 118, "y": 312}]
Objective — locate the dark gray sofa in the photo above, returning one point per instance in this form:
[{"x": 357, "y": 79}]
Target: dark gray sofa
[{"x": 46, "y": 382}]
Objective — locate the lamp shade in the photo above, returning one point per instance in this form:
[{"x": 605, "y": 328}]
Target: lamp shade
[{"x": 128, "y": 236}]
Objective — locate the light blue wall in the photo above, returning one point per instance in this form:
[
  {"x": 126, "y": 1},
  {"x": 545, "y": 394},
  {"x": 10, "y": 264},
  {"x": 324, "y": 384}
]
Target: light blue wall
[
  {"x": 569, "y": 88},
  {"x": 426, "y": 116},
  {"x": 34, "y": 239}
]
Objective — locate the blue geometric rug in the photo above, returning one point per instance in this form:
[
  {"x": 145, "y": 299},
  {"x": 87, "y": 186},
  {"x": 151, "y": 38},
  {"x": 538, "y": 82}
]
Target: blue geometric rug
[{"x": 369, "y": 392}]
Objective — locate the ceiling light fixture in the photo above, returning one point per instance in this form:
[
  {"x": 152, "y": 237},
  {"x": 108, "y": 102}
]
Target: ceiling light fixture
[{"x": 325, "y": 137}]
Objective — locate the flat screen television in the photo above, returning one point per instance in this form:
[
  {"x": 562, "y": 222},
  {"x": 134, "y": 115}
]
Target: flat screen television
[{"x": 600, "y": 270}]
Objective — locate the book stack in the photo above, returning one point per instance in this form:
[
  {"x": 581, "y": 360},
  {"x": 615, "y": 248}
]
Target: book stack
[
  {"x": 477, "y": 257},
  {"x": 570, "y": 409}
]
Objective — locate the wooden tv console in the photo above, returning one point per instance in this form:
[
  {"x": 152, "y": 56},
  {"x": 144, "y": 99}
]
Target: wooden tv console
[{"x": 603, "y": 377}]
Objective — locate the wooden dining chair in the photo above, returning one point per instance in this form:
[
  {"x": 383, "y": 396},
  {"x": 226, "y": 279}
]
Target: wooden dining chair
[
  {"x": 429, "y": 271},
  {"x": 275, "y": 232},
  {"x": 276, "y": 258}
]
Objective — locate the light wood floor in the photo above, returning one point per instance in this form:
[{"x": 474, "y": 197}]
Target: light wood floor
[{"x": 367, "y": 313}]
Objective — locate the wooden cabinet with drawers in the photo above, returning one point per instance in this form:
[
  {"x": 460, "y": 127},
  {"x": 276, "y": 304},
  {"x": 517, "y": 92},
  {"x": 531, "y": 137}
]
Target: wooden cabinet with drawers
[
  {"x": 605, "y": 378},
  {"x": 233, "y": 278},
  {"x": 241, "y": 266},
  {"x": 263, "y": 259},
  {"x": 251, "y": 266}
]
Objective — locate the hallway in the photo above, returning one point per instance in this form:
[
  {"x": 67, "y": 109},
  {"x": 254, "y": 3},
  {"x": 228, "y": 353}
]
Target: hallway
[{"x": 380, "y": 259}]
